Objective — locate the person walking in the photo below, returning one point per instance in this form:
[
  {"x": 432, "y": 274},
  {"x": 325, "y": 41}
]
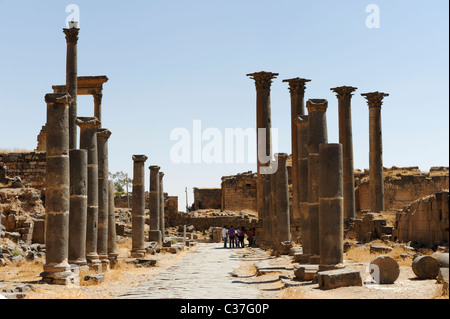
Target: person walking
[
  {"x": 251, "y": 237},
  {"x": 241, "y": 237},
  {"x": 231, "y": 234},
  {"x": 224, "y": 236}
]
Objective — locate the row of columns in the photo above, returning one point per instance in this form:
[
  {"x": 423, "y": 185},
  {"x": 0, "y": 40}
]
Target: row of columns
[
  {"x": 80, "y": 219},
  {"x": 156, "y": 206},
  {"x": 322, "y": 173}
]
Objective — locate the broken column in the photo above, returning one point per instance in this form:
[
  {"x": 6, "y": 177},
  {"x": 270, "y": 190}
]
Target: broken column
[
  {"x": 269, "y": 225},
  {"x": 263, "y": 82},
  {"x": 331, "y": 207},
  {"x": 297, "y": 92},
  {"x": 112, "y": 236},
  {"x": 154, "y": 205},
  {"x": 88, "y": 141},
  {"x": 344, "y": 95},
  {"x": 103, "y": 200},
  {"x": 161, "y": 206},
  {"x": 57, "y": 196},
  {"x": 71, "y": 81},
  {"x": 138, "y": 207},
  {"x": 317, "y": 134},
  {"x": 302, "y": 125},
  {"x": 376, "y": 193},
  {"x": 78, "y": 207},
  {"x": 282, "y": 202}
]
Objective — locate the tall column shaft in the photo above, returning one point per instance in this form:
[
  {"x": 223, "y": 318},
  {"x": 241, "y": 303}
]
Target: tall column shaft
[
  {"x": 161, "y": 205},
  {"x": 297, "y": 92},
  {"x": 269, "y": 209},
  {"x": 98, "y": 107},
  {"x": 263, "y": 82},
  {"x": 57, "y": 201},
  {"x": 112, "y": 236},
  {"x": 375, "y": 101},
  {"x": 302, "y": 125},
  {"x": 138, "y": 207},
  {"x": 331, "y": 206},
  {"x": 78, "y": 207},
  {"x": 344, "y": 94},
  {"x": 88, "y": 141},
  {"x": 103, "y": 200},
  {"x": 282, "y": 199},
  {"x": 317, "y": 134},
  {"x": 72, "y": 82},
  {"x": 155, "y": 205}
]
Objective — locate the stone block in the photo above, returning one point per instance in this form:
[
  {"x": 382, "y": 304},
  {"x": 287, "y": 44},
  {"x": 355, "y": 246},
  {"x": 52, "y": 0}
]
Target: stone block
[
  {"x": 338, "y": 278},
  {"x": 443, "y": 275},
  {"x": 95, "y": 279},
  {"x": 305, "y": 272},
  {"x": 380, "y": 249}
]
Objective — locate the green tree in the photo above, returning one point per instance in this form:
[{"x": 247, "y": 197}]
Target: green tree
[{"x": 121, "y": 183}]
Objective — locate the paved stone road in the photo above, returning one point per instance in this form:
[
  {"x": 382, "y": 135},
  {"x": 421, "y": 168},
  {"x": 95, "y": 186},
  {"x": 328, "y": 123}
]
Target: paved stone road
[{"x": 201, "y": 274}]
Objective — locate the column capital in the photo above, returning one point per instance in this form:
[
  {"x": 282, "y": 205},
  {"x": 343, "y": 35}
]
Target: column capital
[
  {"x": 139, "y": 158},
  {"x": 281, "y": 155},
  {"x": 344, "y": 91},
  {"x": 161, "y": 174},
  {"x": 103, "y": 133},
  {"x": 301, "y": 120},
  {"x": 89, "y": 122},
  {"x": 374, "y": 99},
  {"x": 63, "y": 98},
  {"x": 154, "y": 168},
  {"x": 71, "y": 35},
  {"x": 263, "y": 79},
  {"x": 317, "y": 104},
  {"x": 297, "y": 85}
]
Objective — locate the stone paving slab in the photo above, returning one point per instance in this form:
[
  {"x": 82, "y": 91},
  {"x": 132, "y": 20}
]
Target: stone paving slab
[{"x": 204, "y": 273}]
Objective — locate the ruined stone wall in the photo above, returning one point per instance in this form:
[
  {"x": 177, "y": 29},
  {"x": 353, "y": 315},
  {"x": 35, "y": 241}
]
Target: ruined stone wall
[
  {"x": 207, "y": 198},
  {"x": 401, "y": 186},
  {"x": 239, "y": 192},
  {"x": 30, "y": 167},
  {"x": 425, "y": 221}
]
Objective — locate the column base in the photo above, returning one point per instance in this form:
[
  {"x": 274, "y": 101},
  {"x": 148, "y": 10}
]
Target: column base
[
  {"x": 323, "y": 267},
  {"x": 302, "y": 259},
  {"x": 138, "y": 253},
  {"x": 104, "y": 262},
  {"x": 155, "y": 235},
  {"x": 314, "y": 260},
  {"x": 61, "y": 274}
]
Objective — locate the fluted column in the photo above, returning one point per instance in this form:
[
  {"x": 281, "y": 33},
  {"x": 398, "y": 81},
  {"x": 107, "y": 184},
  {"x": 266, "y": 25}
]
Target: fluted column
[
  {"x": 57, "y": 201},
  {"x": 263, "y": 81},
  {"x": 78, "y": 207},
  {"x": 317, "y": 134},
  {"x": 375, "y": 101},
  {"x": 302, "y": 125},
  {"x": 138, "y": 207},
  {"x": 88, "y": 141},
  {"x": 297, "y": 92},
  {"x": 72, "y": 81},
  {"x": 103, "y": 135},
  {"x": 155, "y": 203},
  {"x": 161, "y": 205},
  {"x": 344, "y": 95},
  {"x": 331, "y": 206}
]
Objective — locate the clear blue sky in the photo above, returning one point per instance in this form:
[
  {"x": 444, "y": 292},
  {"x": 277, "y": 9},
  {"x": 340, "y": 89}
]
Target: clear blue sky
[{"x": 172, "y": 62}]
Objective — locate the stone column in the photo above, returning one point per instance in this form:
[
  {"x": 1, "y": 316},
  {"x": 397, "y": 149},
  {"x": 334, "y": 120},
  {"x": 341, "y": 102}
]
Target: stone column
[
  {"x": 112, "y": 236},
  {"x": 375, "y": 100},
  {"x": 72, "y": 82},
  {"x": 317, "y": 134},
  {"x": 269, "y": 209},
  {"x": 88, "y": 141},
  {"x": 154, "y": 205},
  {"x": 57, "y": 194},
  {"x": 282, "y": 200},
  {"x": 98, "y": 107},
  {"x": 138, "y": 207},
  {"x": 302, "y": 125},
  {"x": 161, "y": 206},
  {"x": 331, "y": 206},
  {"x": 263, "y": 82},
  {"x": 297, "y": 91},
  {"x": 344, "y": 95},
  {"x": 78, "y": 207},
  {"x": 103, "y": 135}
]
